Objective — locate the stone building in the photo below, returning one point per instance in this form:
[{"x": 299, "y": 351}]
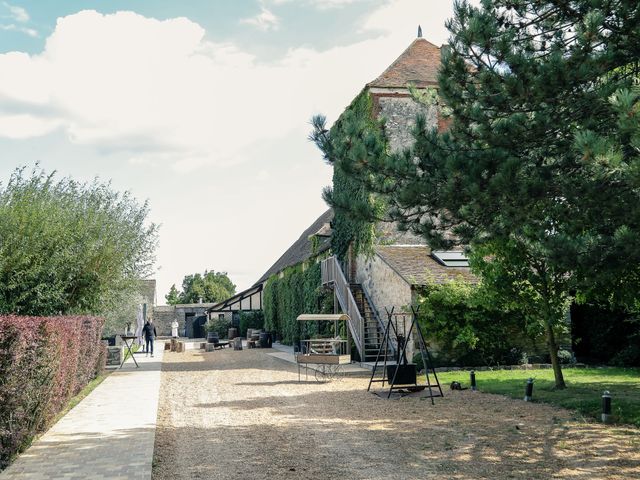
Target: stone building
[
  {"x": 401, "y": 263},
  {"x": 191, "y": 318}
]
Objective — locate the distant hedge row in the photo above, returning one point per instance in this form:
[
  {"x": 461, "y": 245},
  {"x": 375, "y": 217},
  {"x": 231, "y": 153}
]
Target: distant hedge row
[{"x": 44, "y": 361}]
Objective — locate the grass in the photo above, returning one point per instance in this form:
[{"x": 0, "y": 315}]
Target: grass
[
  {"x": 134, "y": 348},
  {"x": 583, "y": 392}
]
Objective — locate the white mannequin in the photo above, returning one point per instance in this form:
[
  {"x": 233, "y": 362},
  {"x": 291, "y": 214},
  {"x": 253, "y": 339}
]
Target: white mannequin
[{"x": 174, "y": 329}]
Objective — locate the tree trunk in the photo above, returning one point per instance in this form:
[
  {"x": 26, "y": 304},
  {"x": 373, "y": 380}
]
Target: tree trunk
[{"x": 553, "y": 351}]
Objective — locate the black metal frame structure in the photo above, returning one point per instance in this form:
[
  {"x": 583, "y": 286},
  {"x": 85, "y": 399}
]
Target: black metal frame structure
[{"x": 402, "y": 340}]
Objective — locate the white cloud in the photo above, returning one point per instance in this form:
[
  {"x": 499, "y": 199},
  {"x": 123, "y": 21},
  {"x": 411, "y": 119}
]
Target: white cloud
[
  {"x": 19, "y": 28},
  {"x": 162, "y": 94},
  {"x": 321, "y": 4},
  {"x": 264, "y": 21},
  {"x": 19, "y": 14}
]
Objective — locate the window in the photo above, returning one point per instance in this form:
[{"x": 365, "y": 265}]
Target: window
[{"x": 451, "y": 258}]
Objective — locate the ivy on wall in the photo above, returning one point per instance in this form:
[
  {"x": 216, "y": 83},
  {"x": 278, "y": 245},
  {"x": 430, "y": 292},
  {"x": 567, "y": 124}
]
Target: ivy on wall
[
  {"x": 354, "y": 143},
  {"x": 297, "y": 290}
]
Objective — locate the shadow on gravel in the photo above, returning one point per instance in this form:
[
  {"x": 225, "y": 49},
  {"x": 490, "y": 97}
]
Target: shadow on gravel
[
  {"x": 282, "y": 382},
  {"x": 266, "y": 425},
  {"x": 384, "y": 449}
]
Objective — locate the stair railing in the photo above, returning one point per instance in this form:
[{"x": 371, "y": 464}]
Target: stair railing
[
  {"x": 381, "y": 325},
  {"x": 332, "y": 274}
]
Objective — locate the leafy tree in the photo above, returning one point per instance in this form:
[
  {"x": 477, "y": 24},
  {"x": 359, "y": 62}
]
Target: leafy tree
[
  {"x": 173, "y": 297},
  {"x": 68, "y": 247},
  {"x": 211, "y": 287},
  {"x": 539, "y": 169}
]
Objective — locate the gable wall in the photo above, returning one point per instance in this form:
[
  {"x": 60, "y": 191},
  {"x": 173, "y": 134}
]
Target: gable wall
[{"x": 385, "y": 287}]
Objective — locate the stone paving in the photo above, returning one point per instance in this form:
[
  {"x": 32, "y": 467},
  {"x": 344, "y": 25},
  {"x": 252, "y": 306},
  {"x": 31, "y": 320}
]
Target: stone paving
[{"x": 109, "y": 435}]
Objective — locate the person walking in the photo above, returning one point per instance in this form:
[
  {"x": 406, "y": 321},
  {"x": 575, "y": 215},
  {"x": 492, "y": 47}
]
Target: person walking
[{"x": 149, "y": 332}]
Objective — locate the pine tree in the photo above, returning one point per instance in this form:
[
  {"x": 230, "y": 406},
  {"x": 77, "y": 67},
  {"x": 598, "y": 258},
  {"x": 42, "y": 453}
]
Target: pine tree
[
  {"x": 539, "y": 172},
  {"x": 173, "y": 297}
]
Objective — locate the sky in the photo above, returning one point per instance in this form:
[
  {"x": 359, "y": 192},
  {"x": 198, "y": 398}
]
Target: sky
[{"x": 201, "y": 107}]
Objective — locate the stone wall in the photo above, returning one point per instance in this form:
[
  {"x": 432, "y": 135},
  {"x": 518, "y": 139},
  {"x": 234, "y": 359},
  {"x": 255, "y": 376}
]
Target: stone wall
[
  {"x": 163, "y": 317},
  {"x": 385, "y": 287},
  {"x": 400, "y": 112}
]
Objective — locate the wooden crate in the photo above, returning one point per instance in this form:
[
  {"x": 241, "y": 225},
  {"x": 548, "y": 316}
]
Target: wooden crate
[{"x": 326, "y": 359}]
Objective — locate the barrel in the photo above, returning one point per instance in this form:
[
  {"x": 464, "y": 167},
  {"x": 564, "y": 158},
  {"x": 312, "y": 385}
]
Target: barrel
[
  {"x": 265, "y": 340},
  {"x": 233, "y": 333},
  {"x": 212, "y": 337},
  {"x": 237, "y": 343}
]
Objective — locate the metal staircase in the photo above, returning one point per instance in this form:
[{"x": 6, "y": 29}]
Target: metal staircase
[{"x": 365, "y": 326}]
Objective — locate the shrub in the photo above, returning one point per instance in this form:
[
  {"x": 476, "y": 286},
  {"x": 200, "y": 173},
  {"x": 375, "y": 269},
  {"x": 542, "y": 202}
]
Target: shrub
[
  {"x": 468, "y": 330},
  {"x": 44, "y": 361},
  {"x": 250, "y": 320},
  {"x": 68, "y": 246},
  {"x": 221, "y": 326}
]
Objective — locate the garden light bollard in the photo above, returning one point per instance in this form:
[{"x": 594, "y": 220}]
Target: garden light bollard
[
  {"x": 606, "y": 407},
  {"x": 528, "y": 391},
  {"x": 472, "y": 378}
]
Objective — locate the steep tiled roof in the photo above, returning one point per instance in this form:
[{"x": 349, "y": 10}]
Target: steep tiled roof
[
  {"x": 417, "y": 65},
  {"x": 415, "y": 264},
  {"x": 302, "y": 249}
]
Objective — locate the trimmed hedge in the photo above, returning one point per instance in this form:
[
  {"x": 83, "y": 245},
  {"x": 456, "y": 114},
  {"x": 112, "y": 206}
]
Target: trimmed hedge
[{"x": 44, "y": 361}]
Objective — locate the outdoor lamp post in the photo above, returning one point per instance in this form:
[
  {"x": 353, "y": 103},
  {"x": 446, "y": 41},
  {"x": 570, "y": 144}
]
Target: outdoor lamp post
[
  {"x": 606, "y": 407},
  {"x": 528, "y": 392}
]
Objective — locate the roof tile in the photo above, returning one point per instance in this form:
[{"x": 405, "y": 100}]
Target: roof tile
[
  {"x": 415, "y": 264},
  {"x": 418, "y": 65}
]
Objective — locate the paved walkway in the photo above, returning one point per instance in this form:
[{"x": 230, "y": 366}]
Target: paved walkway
[{"x": 109, "y": 435}]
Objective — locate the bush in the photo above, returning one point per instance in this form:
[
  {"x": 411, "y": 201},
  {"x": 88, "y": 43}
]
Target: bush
[
  {"x": 629, "y": 356},
  {"x": 251, "y": 320},
  {"x": 69, "y": 247},
  {"x": 44, "y": 361},
  {"x": 467, "y": 330},
  {"x": 219, "y": 326}
]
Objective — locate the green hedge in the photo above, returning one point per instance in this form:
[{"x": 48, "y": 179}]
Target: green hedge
[{"x": 298, "y": 290}]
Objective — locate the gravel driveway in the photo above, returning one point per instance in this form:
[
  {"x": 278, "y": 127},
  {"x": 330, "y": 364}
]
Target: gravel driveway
[{"x": 243, "y": 415}]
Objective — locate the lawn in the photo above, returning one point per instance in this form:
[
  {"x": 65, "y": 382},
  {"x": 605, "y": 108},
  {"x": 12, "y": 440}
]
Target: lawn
[{"x": 583, "y": 392}]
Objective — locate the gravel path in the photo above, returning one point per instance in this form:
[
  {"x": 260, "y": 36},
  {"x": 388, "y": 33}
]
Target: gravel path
[{"x": 243, "y": 415}]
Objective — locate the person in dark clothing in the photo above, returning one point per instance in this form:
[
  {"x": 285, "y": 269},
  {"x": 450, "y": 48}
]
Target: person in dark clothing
[{"x": 149, "y": 332}]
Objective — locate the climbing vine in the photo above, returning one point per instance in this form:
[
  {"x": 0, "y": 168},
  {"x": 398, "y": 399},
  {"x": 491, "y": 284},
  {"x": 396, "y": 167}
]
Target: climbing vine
[
  {"x": 355, "y": 142},
  {"x": 288, "y": 294}
]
